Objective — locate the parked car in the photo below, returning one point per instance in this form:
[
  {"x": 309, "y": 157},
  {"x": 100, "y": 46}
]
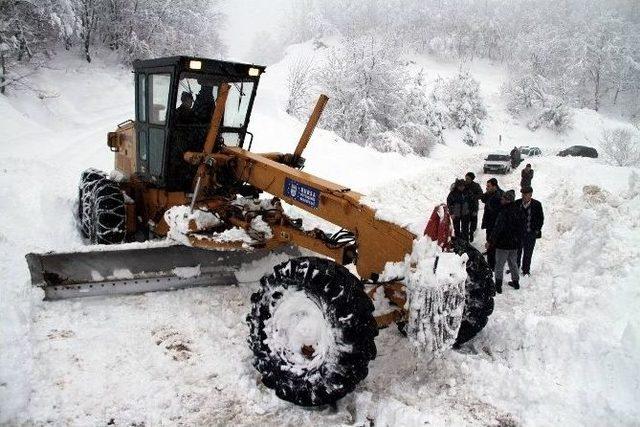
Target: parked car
[
  {"x": 580, "y": 151},
  {"x": 497, "y": 163},
  {"x": 530, "y": 151}
]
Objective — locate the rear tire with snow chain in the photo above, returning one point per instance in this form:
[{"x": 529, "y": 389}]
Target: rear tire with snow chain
[
  {"x": 480, "y": 290},
  {"x": 479, "y": 293},
  {"x": 312, "y": 331},
  {"x": 107, "y": 213},
  {"x": 88, "y": 179}
]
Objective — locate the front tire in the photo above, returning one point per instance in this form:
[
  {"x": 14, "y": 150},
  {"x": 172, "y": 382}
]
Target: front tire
[
  {"x": 88, "y": 179},
  {"x": 312, "y": 331},
  {"x": 108, "y": 213}
]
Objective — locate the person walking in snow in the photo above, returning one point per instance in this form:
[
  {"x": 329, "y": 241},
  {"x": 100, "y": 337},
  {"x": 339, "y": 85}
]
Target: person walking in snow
[
  {"x": 506, "y": 239},
  {"x": 474, "y": 191},
  {"x": 533, "y": 219},
  {"x": 491, "y": 199},
  {"x": 526, "y": 176},
  {"x": 515, "y": 157},
  {"x": 458, "y": 203}
]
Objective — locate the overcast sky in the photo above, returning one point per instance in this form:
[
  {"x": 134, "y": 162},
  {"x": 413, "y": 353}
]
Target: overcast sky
[{"x": 245, "y": 18}]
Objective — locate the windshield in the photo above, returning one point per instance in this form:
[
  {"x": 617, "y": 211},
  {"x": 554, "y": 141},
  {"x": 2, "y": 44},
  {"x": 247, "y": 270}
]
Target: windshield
[
  {"x": 499, "y": 157},
  {"x": 197, "y": 95},
  {"x": 235, "y": 111}
]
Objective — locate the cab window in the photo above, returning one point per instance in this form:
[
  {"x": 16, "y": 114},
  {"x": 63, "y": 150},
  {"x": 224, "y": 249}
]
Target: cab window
[
  {"x": 203, "y": 90},
  {"x": 235, "y": 111},
  {"x": 159, "y": 97},
  {"x": 142, "y": 98}
]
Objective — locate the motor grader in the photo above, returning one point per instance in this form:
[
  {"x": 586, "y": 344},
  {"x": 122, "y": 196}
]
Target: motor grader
[{"x": 187, "y": 183}]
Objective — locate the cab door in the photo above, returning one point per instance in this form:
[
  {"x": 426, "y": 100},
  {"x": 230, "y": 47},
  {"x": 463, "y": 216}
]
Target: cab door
[{"x": 153, "y": 89}]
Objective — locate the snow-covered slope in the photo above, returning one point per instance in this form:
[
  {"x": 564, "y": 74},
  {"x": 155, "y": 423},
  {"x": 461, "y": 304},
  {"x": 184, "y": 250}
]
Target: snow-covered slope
[{"x": 565, "y": 349}]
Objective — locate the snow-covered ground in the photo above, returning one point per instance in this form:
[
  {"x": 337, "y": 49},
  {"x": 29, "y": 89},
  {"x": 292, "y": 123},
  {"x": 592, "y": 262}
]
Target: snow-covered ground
[{"x": 564, "y": 350}]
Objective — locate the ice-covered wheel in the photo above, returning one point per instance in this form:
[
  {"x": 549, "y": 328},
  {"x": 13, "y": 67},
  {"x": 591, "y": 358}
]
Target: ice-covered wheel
[
  {"x": 107, "y": 212},
  {"x": 312, "y": 331},
  {"x": 88, "y": 179},
  {"x": 479, "y": 293},
  {"x": 480, "y": 290}
]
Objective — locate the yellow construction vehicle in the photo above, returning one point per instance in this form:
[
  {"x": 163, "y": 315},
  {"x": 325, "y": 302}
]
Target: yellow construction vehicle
[{"x": 184, "y": 170}]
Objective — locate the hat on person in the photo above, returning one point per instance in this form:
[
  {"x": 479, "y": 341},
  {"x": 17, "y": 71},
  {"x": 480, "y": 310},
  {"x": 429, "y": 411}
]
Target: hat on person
[
  {"x": 509, "y": 195},
  {"x": 526, "y": 190}
]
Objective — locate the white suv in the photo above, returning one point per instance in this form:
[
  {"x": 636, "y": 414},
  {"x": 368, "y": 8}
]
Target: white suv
[{"x": 497, "y": 163}]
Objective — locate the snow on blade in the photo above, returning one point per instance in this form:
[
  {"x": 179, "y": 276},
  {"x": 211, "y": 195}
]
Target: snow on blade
[{"x": 187, "y": 272}]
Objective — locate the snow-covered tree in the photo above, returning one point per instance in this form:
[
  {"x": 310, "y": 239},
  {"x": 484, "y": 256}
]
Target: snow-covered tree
[
  {"x": 621, "y": 146},
  {"x": 556, "y": 117},
  {"x": 461, "y": 97},
  {"x": 133, "y": 28},
  {"x": 586, "y": 51},
  {"x": 25, "y": 31},
  {"x": 374, "y": 100},
  {"x": 299, "y": 86}
]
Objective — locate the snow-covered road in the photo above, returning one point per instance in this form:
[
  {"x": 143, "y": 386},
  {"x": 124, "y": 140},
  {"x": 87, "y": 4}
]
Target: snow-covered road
[{"x": 565, "y": 349}]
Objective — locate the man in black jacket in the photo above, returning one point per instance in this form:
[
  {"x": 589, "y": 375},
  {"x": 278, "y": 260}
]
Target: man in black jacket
[
  {"x": 491, "y": 199},
  {"x": 184, "y": 114},
  {"x": 475, "y": 193},
  {"x": 526, "y": 176},
  {"x": 506, "y": 239},
  {"x": 533, "y": 219},
  {"x": 459, "y": 209}
]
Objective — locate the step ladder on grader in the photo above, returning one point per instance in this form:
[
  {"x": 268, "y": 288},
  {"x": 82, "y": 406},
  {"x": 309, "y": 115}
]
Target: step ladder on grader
[{"x": 186, "y": 182}]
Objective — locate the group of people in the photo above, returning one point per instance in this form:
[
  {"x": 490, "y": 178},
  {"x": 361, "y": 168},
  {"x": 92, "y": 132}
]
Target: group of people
[{"x": 512, "y": 226}]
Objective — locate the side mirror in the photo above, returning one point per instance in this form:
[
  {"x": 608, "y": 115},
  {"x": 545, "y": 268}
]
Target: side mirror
[{"x": 113, "y": 141}]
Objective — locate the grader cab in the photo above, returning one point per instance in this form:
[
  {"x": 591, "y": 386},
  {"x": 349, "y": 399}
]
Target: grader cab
[{"x": 186, "y": 181}]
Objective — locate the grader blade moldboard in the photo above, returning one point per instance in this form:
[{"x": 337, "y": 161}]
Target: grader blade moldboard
[{"x": 134, "y": 271}]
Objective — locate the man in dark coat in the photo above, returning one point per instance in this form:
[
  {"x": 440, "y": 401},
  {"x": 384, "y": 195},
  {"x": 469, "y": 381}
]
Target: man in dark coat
[
  {"x": 515, "y": 157},
  {"x": 491, "y": 199},
  {"x": 459, "y": 209},
  {"x": 506, "y": 238},
  {"x": 526, "y": 176},
  {"x": 475, "y": 193},
  {"x": 184, "y": 114},
  {"x": 533, "y": 219},
  {"x": 204, "y": 104}
]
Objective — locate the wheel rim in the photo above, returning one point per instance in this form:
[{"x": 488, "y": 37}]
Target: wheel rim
[{"x": 299, "y": 332}]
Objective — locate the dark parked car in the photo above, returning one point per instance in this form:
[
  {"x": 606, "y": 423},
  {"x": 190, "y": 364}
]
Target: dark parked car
[{"x": 580, "y": 151}]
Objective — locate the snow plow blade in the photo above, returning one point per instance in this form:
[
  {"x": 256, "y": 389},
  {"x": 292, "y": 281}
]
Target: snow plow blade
[{"x": 134, "y": 271}]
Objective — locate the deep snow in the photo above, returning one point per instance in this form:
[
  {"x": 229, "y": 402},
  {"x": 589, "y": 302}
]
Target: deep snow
[{"x": 565, "y": 349}]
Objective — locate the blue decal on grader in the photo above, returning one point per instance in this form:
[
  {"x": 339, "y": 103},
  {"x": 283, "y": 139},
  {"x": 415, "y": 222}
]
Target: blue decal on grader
[{"x": 301, "y": 193}]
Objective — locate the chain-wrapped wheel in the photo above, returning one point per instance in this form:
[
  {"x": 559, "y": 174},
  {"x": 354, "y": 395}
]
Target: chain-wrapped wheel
[
  {"x": 479, "y": 292},
  {"x": 88, "y": 179},
  {"x": 107, "y": 212},
  {"x": 312, "y": 331}
]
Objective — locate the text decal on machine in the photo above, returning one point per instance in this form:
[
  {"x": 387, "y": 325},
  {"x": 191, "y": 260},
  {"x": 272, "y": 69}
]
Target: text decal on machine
[{"x": 302, "y": 193}]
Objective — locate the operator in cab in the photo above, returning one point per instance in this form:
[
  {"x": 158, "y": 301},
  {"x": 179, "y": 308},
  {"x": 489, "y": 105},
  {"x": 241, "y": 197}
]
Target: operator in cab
[{"x": 184, "y": 113}]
